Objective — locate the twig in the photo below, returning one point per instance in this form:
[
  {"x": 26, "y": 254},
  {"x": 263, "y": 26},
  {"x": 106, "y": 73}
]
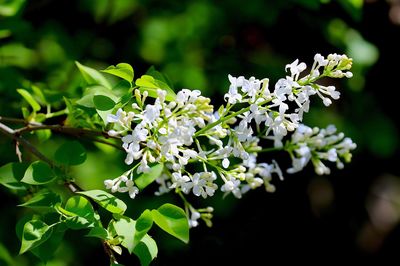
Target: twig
[
  {"x": 72, "y": 131},
  {"x": 72, "y": 186},
  {"x": 14, "y": 120},
  {"x": 11, "y": 133},
  {"x": 78, "y": 132}
]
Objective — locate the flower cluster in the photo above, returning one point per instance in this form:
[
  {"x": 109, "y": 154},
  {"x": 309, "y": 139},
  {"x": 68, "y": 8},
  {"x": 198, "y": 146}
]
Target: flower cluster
[
  {"x": 314, "y": 144},
  {"x": 204, "y": 151}
]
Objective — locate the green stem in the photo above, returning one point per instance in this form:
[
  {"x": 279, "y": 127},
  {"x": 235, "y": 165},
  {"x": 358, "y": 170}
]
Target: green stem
[
  {"x": 58, "y": 113},
  {"x": 267, "y": 150}
]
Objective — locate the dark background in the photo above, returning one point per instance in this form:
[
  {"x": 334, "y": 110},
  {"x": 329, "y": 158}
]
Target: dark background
[{"x": 350, "y": 216}]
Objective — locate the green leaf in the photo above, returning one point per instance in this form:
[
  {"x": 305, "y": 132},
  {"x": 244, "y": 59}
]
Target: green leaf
[
  {"x": 88, "y": 99},
  {"x": 92, "y": 76},
  {"x": 43, "y": 135},
  {"x": 122, "y": 70},
  {"x": 43, "y": 199},
  {"x": 38, "y": 92},
  {"x": 38, "y": 173},
  {"x": 5, "y": 256},
  {"x": 151, "y": 85},
  {"x": 98, "y": 232},
  {"x": 106, "y": 200},
  {"x": 90, "y": 92},
  {"x": 142, "y": 226},
  {"x": 353, "y": 7},
  {"x": 11, "y": 174},
  {"x": 172, "y": 220},
  {"x": 34, "y": 233},
  {"x": 11, "y": 8},
  {"x": 146, "y": 250},
  {"x": 103, "y": 103},
  {"x": 70, "y": 153},
  {"x": 160, "y": 76},
  {"x": 125, "y": 228},
  {"x": 45, "y": 251},
  {"x": 80, "y": 206},
  {"x": 146, "y": 179},
  {"x": 82, "y": 210},
  {"x": 29, "y": 98}
]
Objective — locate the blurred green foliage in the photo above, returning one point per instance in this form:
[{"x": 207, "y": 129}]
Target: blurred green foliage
[{"x": 196, "y": 44}]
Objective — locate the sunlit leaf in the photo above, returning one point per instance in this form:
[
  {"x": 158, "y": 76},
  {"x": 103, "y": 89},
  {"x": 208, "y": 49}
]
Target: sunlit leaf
[
  {"x": 82, "y": 210},
  {"x": 34, "y": 233},
  {"x": 39, "y": 93},
  {"x": 38, "y": 173},
  {"x": 103, "y": 103},
  {"x": 146, "y": 179},
  {"x": 43, "y": 135},
  {"x": 106, "y": 200},
  {"x": 159, "y": 76},
  {"x": 45, "y": 251},
  {"x": 11, "y": 8},
  {"x": 172, "y": 220},
  {"x": 125, "y": 228},
  {"x": 146, "y": 250},
  {"x": 98, "y": 232},
  {"x": 43, "y": 199},
  {"x": 80, "y": 206},
  {"x": 142, "y": 226},
  {"x": 29, "y": 98},
  {"x": 92, "y": 76},
  {"x": 151, "y": 85},
  {"x": 122, "y": 70},
  {"x": 11, "y": 174}
]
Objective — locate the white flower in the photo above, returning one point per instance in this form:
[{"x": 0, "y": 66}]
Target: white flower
[
  {"x": 193, "y": 218},
  {"x": 115, "y": 185},
  {"x": 258, "y": 115},
  {"x": 296, "y": 68},
  {"x": 202, "y": 184},
  {"x": 320, "y": 168},
  {"x": 250, "y": 162},
  {"x": 235, "y": 82},
  {"x": 143, "y": 167},
  {"x": 251, "y": 87},
  {"x": 277, "y": 126},
  {"x": 320, "y": 60},
  {"x": 225, "y": 162},
  {"x": 233, "y": 96},
  {"x": 121, "y": 118},
  {"x": 282, "y": 87},
  {"x": 116, "y": 118},
  {"x": 181, "y": 181},
  {"x": 243, "y": 132},
  {"x": 151, "y": 113},
  {"x": 130, "y": 188},
  {"x": 164, "y": 185},
  {"x": 232, "y": 186}
]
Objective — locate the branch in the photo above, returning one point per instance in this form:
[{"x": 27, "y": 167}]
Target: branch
[
  {"x": 14, "y": 120},
  {"x": 11, "y": 133},
  {"x": 78, "y": 132},
  {"x": 72, "y": 131},
  {"x": 72, "y": 186}
]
